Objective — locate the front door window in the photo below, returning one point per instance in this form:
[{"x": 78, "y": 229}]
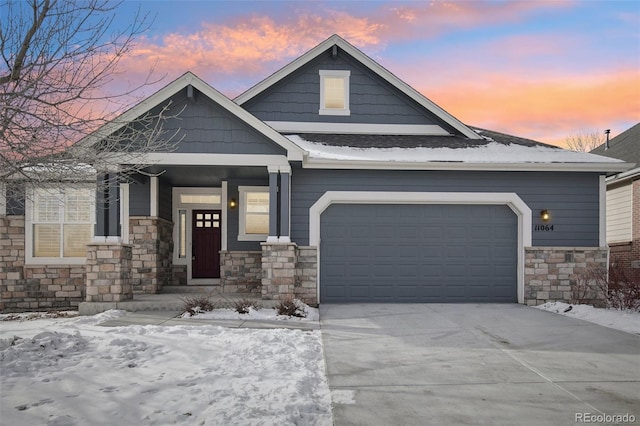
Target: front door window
[{"x": 205, "y": 243}]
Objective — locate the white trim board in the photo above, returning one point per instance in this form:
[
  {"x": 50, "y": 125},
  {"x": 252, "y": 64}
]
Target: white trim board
[
  {"x": 357, "y": 128},
  {"x": 313, "y": 163},
  {"x": 510, "y": 199},
  {"x": 201, "y": 159}
]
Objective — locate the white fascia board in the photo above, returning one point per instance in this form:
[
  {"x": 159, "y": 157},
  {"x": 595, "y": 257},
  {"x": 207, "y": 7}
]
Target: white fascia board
[
  {"x": 286, "y": 70},
  {"x": 506, "y": 167},
  {"x": 294, "y": 152},
  {"x": 626, "y": 175},
  {"x": 372, "y": 65},
  {"x": 357, "y": 128},
  {"x": 510, "y": 199},
  {"x": 184, "y": 159}
]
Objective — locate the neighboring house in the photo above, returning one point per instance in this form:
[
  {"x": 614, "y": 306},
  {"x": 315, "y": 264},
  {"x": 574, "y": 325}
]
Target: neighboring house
[
  {"x": 623, "y": 199},
  {"x": 331, "y": 181}
]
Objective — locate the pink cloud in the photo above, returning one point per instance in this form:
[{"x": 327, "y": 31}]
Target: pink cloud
[
  {"x": 548, "y": 109},
  {"x": 254, "y": 45}
]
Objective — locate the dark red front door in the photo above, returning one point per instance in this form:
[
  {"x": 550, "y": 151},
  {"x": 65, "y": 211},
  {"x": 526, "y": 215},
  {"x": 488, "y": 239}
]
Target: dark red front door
[{"x": 206, "y": 244}]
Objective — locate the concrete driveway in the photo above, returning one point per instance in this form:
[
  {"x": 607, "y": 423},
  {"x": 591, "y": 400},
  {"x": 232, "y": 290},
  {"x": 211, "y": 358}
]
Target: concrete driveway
[{"x": 467, "y": 364}]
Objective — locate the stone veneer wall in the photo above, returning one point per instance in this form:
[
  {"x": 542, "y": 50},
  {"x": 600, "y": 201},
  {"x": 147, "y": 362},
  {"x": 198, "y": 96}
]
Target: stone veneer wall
[
  {"x": 37, "y": 287},
  {"x": 179, "y": 273},
  {"x": 306, "y": 283},
  {"x": 551, "y": 273},
  {"x": 108, "y": 276},
  {"x": 152, "y": 241},
  {"x": 241, "y": 271},
  {"x": 289, "y": 271}
]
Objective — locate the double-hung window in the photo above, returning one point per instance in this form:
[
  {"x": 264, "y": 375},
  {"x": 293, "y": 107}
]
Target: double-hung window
[
  {"x": 254, "y": 213},
  {"x": 61, "y": 224},
  {"x": 334, "y": 92}
]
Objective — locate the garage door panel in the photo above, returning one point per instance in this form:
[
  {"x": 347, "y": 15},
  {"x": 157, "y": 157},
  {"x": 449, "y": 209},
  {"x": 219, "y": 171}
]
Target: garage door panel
[
  {"x": 431, "y": 232},
  {"x": 408, "y": 270},
  {"x": 418, "y": 253},
  {"x": 383, "y": 271}
]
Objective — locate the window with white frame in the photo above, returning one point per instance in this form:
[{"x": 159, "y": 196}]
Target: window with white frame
[
  {"x": 61, "y": 223},
  {"x": 334, "y": 92},
  {"x": 254, "y": 213}
]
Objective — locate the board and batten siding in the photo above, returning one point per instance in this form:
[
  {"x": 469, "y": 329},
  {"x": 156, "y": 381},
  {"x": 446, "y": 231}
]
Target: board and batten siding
[
  {"x": 619, "y": 214},
  {"x": 571, "y": 198},
  {"x": 371, "y": 99}
]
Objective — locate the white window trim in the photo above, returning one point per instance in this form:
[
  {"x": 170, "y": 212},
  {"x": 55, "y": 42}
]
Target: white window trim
[
  {"x": 345, "y": 74},
  {"x": 510, "y": 199},
  {"x": 28, "y": 243},
  {"x": 242, "y": 192},
  {"x": 3, "y": 199}
]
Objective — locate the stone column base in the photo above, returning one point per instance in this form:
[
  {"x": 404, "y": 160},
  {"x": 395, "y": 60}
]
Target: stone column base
[
  {"x": 278, "y": 270},
  {"x": 108, "y": 272}
]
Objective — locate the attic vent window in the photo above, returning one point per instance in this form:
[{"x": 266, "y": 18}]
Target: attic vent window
[{"x": 334, "y": 92}]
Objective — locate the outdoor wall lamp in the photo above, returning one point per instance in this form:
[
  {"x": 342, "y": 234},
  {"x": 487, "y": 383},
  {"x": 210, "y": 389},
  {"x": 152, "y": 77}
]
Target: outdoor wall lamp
[
  {"x": 545, "y": 216},
  {"x": 233, "y": 204}
]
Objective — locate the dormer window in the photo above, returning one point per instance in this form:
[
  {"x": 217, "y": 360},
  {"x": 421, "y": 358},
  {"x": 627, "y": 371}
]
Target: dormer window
[{"x": 334, "y": 92}]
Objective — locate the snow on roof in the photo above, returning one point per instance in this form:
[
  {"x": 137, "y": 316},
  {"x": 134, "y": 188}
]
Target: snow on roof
[{"x": 490, "y": 152}]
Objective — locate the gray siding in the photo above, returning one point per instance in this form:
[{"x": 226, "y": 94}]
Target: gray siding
[
  {"x": 206, "y": 127},
  {"x": 372, "y": 100},
  {"x": 572, "y": 198},
  {"x": 165, "y": 202},
  {"x": 139, "y": 198},
  {"x": 15, "y": 200}
]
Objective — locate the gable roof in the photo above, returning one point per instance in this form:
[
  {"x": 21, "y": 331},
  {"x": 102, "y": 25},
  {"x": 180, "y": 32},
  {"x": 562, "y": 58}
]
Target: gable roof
[
  {"x": 378, "y": 69},
  {"x": 625, "y": 146},
  {"x": 294, "y": 152}
]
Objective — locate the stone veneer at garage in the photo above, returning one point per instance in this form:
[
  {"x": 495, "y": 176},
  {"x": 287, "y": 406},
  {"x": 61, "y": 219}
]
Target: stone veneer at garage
[{"x": 551, "y": 273}]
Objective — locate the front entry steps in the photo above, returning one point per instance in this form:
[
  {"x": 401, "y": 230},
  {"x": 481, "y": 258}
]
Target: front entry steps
[{"x": 172, "y": 299}]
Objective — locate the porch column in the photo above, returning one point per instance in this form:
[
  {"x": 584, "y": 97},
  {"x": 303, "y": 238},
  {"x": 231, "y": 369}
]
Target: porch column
[
  {"x": 273, "y": 204},
  {"x": 285, "y": 184},
  {"x": 107, "y": 208},
  {"x": 108, "y": 266}
]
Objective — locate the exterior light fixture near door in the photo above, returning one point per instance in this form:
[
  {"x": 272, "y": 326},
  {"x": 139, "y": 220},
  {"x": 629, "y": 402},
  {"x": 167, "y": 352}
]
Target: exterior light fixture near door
[
  {"x": 233, "y": 203},
  {"x": 545, "y": 216}
]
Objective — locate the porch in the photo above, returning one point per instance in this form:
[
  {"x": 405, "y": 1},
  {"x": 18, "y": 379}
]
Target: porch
[{"x": 172, "y": 300}]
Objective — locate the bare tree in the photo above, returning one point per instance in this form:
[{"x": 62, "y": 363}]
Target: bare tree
[
  {"x": 58, "y": 65},
  {"x": 585, "y": 142}
]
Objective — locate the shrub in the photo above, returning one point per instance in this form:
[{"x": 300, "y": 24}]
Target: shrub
[
  {"x": 292, "y": 308},
  {"x": 617, "y": 288},
  {"x": 244, "y": 305},
  {"x": 624, "y": 287},
  {"x": 199, "y": 303},
  {"x": 590, "y": 288}
]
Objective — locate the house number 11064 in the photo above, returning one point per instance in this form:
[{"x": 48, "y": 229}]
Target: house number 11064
[{"x": 543, "y": 228}]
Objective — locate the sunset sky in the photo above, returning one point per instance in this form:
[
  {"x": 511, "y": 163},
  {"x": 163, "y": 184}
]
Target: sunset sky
[{"x": 541, "y": 69}]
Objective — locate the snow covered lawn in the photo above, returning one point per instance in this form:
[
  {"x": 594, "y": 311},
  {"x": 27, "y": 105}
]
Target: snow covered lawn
[
  {"x": 71, "y": 371},
  {"x": 620, "y": 320}
]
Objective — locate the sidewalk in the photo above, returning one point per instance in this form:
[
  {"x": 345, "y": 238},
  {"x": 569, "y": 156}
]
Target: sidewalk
[{"x": 171, "y": 318}]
